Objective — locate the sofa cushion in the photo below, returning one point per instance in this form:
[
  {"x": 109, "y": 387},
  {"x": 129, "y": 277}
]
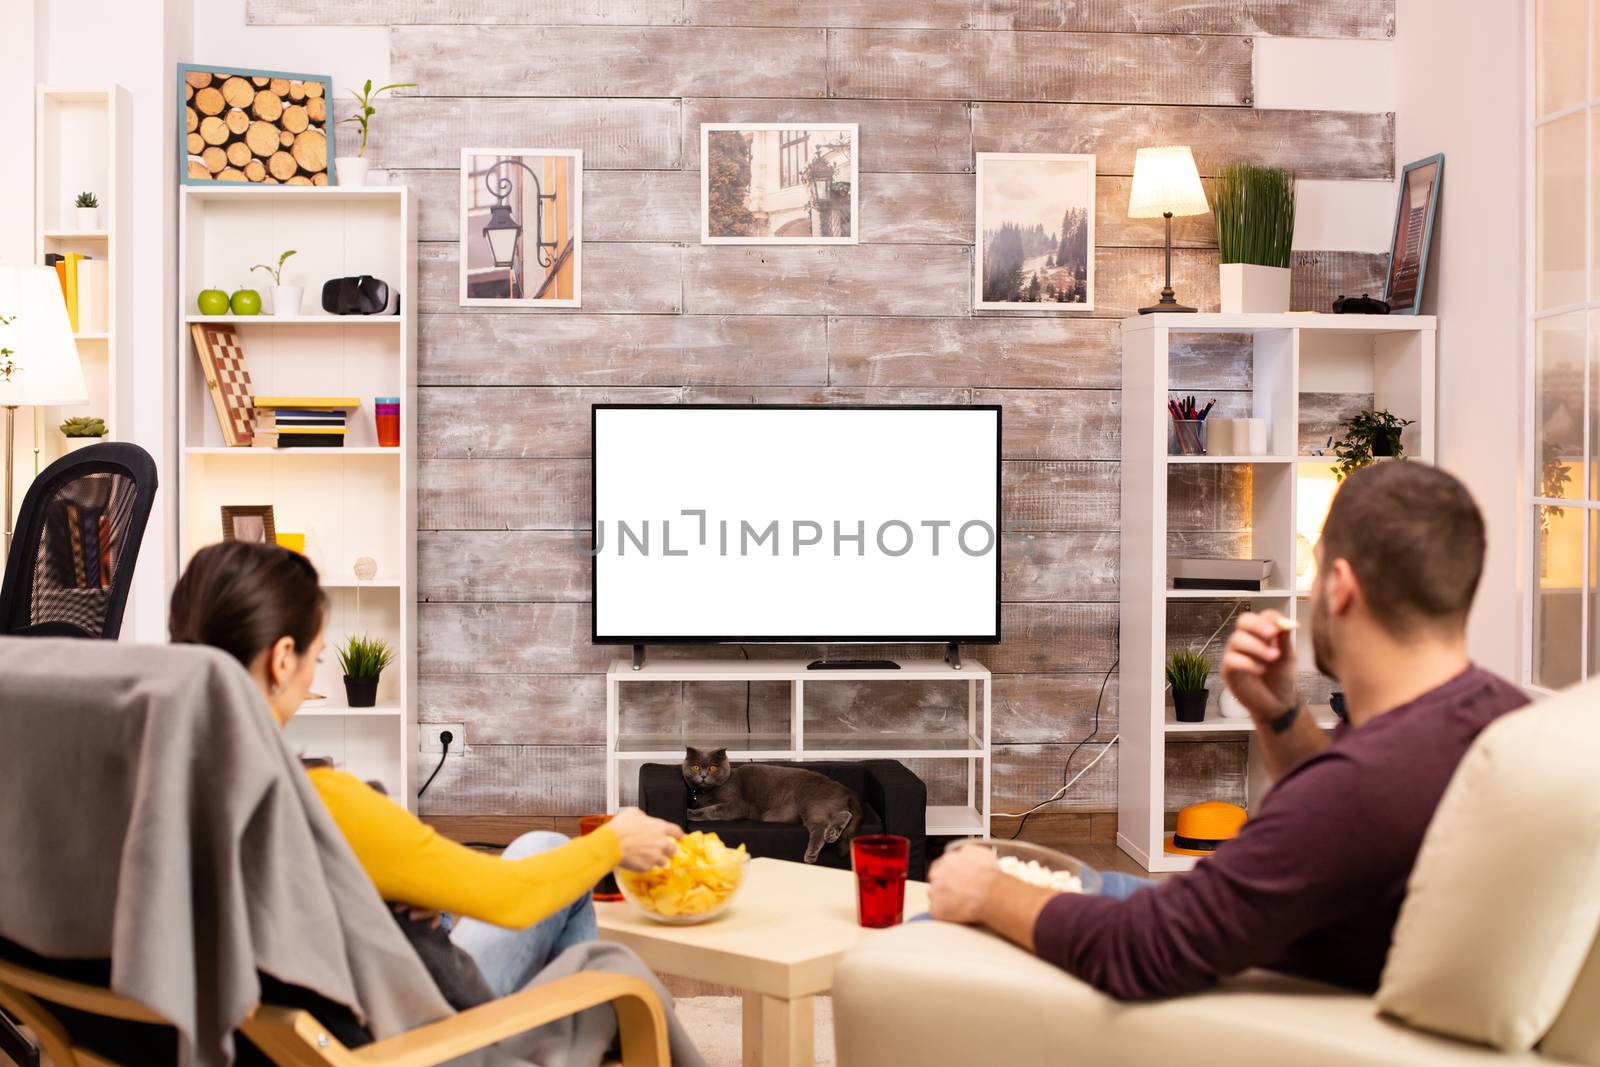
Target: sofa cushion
[
  {"x": 935, "y": 994},
  {"x": 1504, "y": 902},
  {"x": 1575, "y": 1037}
]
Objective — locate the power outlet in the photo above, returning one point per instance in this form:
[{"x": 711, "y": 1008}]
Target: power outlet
[{"x": 428, "y": 737}]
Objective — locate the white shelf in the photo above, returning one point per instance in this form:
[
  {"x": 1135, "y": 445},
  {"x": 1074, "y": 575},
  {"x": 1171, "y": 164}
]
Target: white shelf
[
  {"x": 297, "y": 320},
  {"x": 100, "y": 335},
  {"x": 376, "y": 583},
  {"x": 955, "y": 820},
  {"x": 321, "y": 453},
  {"x": 1229, "y": 594},
  {"x": 1389, "y": 358},
  {"x": 657, "y": 668},
  {"x": 76, "y": 235},
  {"x": 333, "y": 711},
  {"x": 293, "y": 193}
]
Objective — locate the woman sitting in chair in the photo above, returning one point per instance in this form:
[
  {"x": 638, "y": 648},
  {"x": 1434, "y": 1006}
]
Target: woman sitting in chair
[{"x": 512, "y": 914}]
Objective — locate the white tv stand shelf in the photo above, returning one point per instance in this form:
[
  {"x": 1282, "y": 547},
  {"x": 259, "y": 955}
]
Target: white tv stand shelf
[{"x": 972, "y": 744}]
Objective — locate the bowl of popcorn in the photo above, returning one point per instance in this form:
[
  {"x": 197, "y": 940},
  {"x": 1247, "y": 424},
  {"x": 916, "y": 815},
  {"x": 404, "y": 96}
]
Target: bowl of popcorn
[
  {"x": 1040, "y": 866},
  {"x": 696, "y": 885}
]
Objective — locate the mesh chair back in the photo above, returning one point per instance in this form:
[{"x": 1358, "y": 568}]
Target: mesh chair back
[{"x": 77, "y": 540}]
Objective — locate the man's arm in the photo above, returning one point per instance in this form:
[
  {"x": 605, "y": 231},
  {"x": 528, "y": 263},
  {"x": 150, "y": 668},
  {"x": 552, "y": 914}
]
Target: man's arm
[
  {"x": 1258, "y": 665},
  {"x": 969, "y": 887}
]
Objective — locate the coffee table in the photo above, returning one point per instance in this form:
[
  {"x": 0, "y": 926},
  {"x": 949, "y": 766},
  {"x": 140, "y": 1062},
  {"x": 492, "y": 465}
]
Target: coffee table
[{"x": 777, "y": 944}]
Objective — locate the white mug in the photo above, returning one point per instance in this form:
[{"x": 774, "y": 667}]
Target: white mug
[
  {"x": 1222, "y": 437},
  {"x": 1258, "y": 437}
]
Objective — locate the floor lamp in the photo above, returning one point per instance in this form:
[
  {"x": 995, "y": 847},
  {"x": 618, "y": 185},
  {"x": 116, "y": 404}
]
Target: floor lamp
[{"x": 38, "y": 358}]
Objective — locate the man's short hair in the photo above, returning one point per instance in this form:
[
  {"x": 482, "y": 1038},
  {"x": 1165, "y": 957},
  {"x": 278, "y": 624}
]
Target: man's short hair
[{"x": 1415, "y": 540}]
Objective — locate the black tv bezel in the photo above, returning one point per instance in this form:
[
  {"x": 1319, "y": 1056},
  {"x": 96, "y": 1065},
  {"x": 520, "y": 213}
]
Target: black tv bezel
[{"x": 796, "y": 639}]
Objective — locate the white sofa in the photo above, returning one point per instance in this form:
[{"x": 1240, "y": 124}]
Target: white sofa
[{"x": 1487, "y": 967}]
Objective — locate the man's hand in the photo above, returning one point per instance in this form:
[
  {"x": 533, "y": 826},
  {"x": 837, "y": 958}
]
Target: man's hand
[
  {"x": 1259, "y": 664},
  {"x": 960, "y": 884},
  {"x": 646, "y": 842}
]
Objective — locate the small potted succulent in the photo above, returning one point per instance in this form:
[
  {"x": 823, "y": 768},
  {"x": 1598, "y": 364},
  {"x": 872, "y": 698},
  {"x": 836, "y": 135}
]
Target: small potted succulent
[
  {"x": 82, "y": 431},
  {"x": 285, "y": 298},
  {"x": 1254, "y": 210},
  {"x": 1186, "y": 673},
  {"x": 363, "y": 659},
  {"x": 88, "y": 209},
  {"x": 1368, "y": 436},
  {"x": 352, "y": 170}
]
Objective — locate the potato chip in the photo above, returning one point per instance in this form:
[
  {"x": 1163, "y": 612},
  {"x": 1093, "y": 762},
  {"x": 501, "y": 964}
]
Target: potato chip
[{"x": 698, "y": 881}]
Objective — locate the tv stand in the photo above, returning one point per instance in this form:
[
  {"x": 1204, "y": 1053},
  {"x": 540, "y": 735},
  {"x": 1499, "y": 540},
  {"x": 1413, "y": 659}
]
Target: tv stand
[
  {"x": 630, "y": 742},
  {"x": 952, "y": 655}
]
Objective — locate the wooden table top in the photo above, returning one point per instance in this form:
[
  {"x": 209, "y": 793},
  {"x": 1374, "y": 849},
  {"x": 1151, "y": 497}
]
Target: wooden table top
[{"x": 781, "y": 936}]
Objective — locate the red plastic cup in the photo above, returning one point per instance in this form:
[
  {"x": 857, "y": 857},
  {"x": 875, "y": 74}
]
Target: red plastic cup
[
  {"x": 880, "y": 862},
  {"x": 386, "y": 420},
  {"x": 605, "y": 889}
]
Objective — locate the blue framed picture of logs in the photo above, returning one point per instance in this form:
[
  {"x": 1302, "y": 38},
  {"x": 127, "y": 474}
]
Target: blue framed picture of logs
[{"x": 253, "y": 127}]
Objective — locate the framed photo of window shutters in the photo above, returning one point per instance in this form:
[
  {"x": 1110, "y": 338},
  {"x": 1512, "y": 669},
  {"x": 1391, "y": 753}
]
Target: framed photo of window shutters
[
  {"x": 1414, "y": 217},
  {"x": 521, "y": 227},
  {"x": 779, "y": 183}
]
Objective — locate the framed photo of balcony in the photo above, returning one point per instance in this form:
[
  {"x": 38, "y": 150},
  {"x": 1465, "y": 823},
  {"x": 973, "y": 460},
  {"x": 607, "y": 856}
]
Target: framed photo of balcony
[{"x": 779, "y": 183}]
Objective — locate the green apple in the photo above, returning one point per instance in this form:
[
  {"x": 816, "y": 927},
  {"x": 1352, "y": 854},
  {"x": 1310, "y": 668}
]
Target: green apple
[
  {"x": 246, "y": 302},
  {"x": 212, "y": 302}
]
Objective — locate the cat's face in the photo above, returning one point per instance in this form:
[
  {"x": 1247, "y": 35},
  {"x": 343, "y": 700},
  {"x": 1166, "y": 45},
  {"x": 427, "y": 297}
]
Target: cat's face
[{"x": 706, "y": 768}]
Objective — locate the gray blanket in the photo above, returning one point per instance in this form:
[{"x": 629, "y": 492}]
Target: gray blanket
[{"x": 151, "y": 813}]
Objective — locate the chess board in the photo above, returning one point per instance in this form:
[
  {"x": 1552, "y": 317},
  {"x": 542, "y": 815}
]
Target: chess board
[{"x": 222, "y": 360}]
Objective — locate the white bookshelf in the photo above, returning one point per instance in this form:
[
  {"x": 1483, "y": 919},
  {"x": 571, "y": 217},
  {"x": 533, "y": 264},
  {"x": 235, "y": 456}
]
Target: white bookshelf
[
  {"x": 1390, "y": 357},
  {"x": 970, "y": 742},
  {"x": 359, "y": 500},
  {"x": 81, "y": 143}
]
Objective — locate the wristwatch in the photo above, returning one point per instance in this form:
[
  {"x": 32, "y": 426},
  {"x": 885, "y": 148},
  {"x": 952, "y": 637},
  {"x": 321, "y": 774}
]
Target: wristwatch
[{"x": 1284, "y": 721}]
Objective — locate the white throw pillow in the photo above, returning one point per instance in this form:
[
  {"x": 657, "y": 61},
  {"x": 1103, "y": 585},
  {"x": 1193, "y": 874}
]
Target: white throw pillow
[{"x": 1504, "y": 902}]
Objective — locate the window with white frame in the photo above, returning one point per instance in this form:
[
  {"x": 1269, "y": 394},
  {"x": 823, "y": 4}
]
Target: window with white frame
[{"x": 1564, "y": 470}]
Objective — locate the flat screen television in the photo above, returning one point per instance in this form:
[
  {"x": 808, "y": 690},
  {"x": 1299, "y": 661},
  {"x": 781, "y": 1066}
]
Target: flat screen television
[{"x": 788, "y": 523}]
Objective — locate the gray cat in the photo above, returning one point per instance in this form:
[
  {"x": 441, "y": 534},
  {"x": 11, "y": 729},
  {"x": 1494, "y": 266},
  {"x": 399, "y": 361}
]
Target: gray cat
[{"x": 765, "y": 793}]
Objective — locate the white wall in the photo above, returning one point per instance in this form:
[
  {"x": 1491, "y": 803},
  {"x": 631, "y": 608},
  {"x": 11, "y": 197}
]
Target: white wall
[{"x": 1460, "y": 91}]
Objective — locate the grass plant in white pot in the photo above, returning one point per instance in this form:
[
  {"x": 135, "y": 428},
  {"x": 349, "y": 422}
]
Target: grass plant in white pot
[{"x": 1254, "y": 209}]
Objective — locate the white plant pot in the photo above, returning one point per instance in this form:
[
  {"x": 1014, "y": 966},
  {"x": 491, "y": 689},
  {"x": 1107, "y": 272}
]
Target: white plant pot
[
  {"x": 1230, "y": 708},
  {"x": 88, "y": 218},
  {"x": 75, "y": 443},
  {"x": 286, "y": 299},
  {"x": 1250, "y": 289},
  {"x": 350, "y": 170}
]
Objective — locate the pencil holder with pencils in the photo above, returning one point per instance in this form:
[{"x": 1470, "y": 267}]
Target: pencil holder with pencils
[{"x": 1187, "y": 437}]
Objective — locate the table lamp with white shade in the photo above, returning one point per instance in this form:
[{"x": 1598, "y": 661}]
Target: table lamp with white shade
[
  {"x": 38, "y": 356},
  {"x": 1166, "y": 183}
]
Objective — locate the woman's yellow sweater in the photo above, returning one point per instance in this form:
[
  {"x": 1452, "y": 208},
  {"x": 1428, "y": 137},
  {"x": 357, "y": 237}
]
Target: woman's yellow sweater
[{"x": 411, "y": 863}]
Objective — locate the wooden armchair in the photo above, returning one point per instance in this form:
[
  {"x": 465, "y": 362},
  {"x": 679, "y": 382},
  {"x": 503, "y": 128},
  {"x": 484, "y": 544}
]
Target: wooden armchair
[{"x": 293, "y": 1038}]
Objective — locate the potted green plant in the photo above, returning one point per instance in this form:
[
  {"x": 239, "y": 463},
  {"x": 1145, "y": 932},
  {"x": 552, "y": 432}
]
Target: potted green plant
[
  {"x": 285, "y": 298},
  {"x": 82, "y": 431},
  {"x": 1254, "y": 210},
  {"x": 1368, "y": 435},
  {"x": 1186, "y": 673},
  {"x": 363, "y": 659},
  {"x": 352, "y": 170},
  {"x": 88, "y": 208}
]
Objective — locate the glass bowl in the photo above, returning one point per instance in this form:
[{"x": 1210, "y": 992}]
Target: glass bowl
[
  {"x": 685, "y": 895},
  {"x": 1048, "y": 858}
]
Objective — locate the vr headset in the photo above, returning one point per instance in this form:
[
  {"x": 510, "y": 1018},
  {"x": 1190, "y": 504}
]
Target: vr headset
[{"x": 363, "y": 295}]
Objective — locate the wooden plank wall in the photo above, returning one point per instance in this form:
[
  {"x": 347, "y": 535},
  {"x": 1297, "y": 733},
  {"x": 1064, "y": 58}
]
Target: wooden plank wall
[{"x": 502, "y": 419}]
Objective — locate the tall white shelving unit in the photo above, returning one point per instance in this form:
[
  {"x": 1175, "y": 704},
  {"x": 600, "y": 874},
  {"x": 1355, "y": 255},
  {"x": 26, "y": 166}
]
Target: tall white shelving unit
[
  {"x": 350, "y": 502},
  {"x": 1390, "y": 357},
  {"x": 80, "y": 144}
]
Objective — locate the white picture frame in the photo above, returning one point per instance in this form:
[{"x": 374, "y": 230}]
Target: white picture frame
[
  {"x": 1023, "y": 192},
  {"x": 779, "y": 205},
  {"x": 483, "y": 172}
]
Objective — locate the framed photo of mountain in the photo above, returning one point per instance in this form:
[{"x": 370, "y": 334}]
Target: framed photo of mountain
[
  {"x": 1413, "y": 234},
  {"x": 1035, "y": 227}
]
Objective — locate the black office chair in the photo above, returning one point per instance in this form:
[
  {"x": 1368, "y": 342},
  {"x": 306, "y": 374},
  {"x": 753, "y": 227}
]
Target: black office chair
[{"x": 76, "y": 542}]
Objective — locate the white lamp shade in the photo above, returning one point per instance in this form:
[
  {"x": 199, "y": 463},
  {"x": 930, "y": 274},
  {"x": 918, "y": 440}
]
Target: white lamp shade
[
  {"x": 1166, "y": 181},
  {"x": 44, "y": 367}
]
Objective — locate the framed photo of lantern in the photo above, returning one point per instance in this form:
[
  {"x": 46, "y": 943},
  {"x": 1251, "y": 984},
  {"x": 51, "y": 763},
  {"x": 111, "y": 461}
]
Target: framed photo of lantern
[
  {"x": 261, "y": 127},
  {"x": 779, "y": 183},
  {"x": 521, "y": 227},
  {"x": 1035, "y": 230}
]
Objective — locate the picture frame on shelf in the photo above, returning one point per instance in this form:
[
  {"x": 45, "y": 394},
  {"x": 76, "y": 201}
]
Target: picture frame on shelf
[
  {"x": 252, "y": 523},
  {"x": 777, "y": 183},
  {"x": 254, "y": 127},
  {"x": 1415, "y": 212},
  {"x": 521, "y": 241},
  {"x": 1034, "y": 210}
]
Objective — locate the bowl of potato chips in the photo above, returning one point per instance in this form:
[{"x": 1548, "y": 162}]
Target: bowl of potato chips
[{"x": 696, "y": 885}]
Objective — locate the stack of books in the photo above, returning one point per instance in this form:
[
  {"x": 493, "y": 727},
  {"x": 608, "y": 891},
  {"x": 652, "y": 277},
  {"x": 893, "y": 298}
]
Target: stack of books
[{"x": 302, "y": 421}]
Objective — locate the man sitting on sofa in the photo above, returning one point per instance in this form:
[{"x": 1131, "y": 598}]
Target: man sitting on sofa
[{"x": 1313, "y": 883}]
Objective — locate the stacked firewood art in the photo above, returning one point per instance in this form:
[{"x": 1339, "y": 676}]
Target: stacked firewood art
[{"x": 266, "y": 128}]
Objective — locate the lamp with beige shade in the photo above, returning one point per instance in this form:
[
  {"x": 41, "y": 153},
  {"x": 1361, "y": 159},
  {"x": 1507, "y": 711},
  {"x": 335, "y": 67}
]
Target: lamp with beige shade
[{"x": 1166, "y": 183}]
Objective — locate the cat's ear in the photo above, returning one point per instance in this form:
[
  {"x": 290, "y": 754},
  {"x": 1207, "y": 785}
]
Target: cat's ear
[
  {"x": 694, "y": 753},
  {"x": 718, "y": 755}
]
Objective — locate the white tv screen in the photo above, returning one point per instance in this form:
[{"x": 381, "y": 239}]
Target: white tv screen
[{"x": 778, "y": 523}]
